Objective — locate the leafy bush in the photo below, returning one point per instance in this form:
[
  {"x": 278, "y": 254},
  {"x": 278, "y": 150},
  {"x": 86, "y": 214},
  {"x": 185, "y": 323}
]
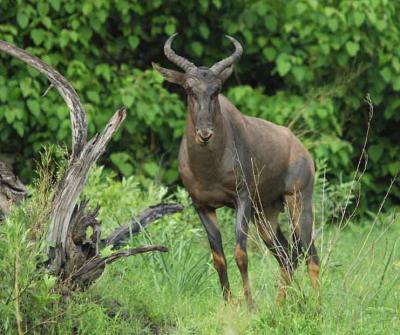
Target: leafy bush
[{"x": 313, "y": 61}]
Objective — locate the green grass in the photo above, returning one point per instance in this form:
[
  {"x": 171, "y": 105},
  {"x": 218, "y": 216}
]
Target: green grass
[
  {"x": 178, "y": 292},
  {"x": 360, "y": 293}
]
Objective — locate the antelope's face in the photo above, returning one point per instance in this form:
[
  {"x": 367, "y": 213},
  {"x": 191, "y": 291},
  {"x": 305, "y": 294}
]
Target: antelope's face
[{"x": 202, "y": 86}]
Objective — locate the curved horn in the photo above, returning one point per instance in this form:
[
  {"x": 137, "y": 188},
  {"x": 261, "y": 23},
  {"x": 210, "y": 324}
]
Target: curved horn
[
  {"x": 223, "y": 64},
  {"x": 182, "y": 62}
]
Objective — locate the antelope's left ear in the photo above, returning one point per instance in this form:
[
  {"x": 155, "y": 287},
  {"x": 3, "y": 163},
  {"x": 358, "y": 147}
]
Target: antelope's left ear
[
  {"x": 170, "y": 75},
  {"x": 225, "y": 74}
]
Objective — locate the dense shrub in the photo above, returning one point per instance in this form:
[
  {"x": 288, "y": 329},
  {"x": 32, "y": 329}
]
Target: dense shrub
[{"x": 307, "y": 63}]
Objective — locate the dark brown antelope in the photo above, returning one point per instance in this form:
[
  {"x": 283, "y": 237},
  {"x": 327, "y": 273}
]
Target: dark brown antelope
[{"x": 252, "y": 165}]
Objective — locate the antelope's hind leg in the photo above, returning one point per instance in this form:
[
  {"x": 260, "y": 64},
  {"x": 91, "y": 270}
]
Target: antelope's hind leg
[
  {"x": 301, "y": 218},
  {"x": 276, "y": 242},
  {"x": 208, "y": 218},
  {"x": 243, "y": 217}
]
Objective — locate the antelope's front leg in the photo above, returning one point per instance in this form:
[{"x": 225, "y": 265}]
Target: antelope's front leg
[
  {"x": 209, "y": 221},
  {"x": 243, "y": 215}
]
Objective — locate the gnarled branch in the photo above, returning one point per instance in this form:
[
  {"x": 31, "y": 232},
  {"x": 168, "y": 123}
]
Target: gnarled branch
[
  {"x": 72, "y": 255},
  {"x": 71, "y": 186},
  {"x": 94, "y": 267},
  {"x": 153, "y": 213},
  {"x": 77, "y": 112}
]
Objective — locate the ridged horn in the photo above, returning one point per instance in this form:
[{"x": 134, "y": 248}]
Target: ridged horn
[
  {"x": 180, "y": 61},
  {"x": 226, "y": 62}
]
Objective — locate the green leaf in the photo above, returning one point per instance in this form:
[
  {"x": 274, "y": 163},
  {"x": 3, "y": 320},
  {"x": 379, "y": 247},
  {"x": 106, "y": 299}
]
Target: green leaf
[
  {"x": 122, "y": 161},
  {"x": 329, "y": 11},
  {"x": 381, "y": 25},
  {"x": 151, "y": 168},
  {"x": 333, "y": 24},
  {"x": 375, "y": 152},
  {"x": 171, "y": 176},
  {"x": 359, "y": 18},
  {"x": 93, "y": 96},
  {"x": 19, "y": 127},
  {"x": 22, "y": 20},
  {"x": 34, "y": 107},
  {"x": 63, "y": 38},
  {"x": 269, "y": 53},
  {"x": 87, "y": 8},
  {"x": 104, "y": 70},
  {"x": 46, "y": 22},
  {"x": 248, "y": 35},
  {"x": 394, "y": 168},
  {"x": 170, "y": 28},
  {"x": 42, "y": 8},
  {"x": 38, "y": 36},
  {"x": 352, "y": 48},
  {"x": 55, "y": 4},
  {"x": 261, "y": 41},
  {"x": 396, "y": 83},
  {"x": 133, "y": 41},
  {"x": 3, "y": 93},
  {"x": 283, "y": 64},
  {"x": 386, "y": 74},
  {"x": 197, "y": 48},
  {"x": 127, "y": 100},
  {"x": 299, "y": 72},
  {"x": 396, "y": 63},
  {"x": 217, "y": 3},
  {"x": 204, "y": 31},
  {"x": 10, "y": 116},
  {"x": 271, "y": 23}
]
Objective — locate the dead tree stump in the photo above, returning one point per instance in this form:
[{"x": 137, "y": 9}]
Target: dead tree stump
[{"x": 72, "y": 256}]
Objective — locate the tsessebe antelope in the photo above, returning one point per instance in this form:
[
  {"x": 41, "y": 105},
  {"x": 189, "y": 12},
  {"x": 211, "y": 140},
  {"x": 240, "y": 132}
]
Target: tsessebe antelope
[{"x": 252, "y": 165}]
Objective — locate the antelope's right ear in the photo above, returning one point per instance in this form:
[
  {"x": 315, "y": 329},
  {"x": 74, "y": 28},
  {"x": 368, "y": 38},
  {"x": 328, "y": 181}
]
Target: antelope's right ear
[{"x": 170, "y": 75}]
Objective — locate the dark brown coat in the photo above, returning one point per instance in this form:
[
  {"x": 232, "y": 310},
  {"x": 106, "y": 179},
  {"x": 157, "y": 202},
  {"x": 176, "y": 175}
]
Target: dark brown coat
[{"x": 252, "y": 165}]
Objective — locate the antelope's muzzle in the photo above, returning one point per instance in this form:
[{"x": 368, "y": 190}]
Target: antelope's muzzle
[{"x": 203, "y": 136}]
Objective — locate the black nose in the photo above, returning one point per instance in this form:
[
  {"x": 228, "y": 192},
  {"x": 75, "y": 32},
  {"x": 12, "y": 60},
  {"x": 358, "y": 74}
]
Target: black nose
[{"x": 205, "y": 134}]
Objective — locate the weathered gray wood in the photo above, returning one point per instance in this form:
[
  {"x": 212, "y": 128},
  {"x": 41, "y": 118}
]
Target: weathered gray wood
[
  {"x": 84, "y": 264},
  {"x": 77, "y": 112},
  {"x": 12, "y": 190},
  {"x": 149, "y": 215},
  {"x": 73, "y": 256},
  {"x": 70, "y": 188},
  {"x": 94, "y": 267}
]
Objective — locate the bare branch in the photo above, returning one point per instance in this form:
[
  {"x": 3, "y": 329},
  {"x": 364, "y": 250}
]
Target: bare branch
[
  {"x": 149, "y": 215},
  {"x": 94, "y": 267},
  {"x": 77, "y": 112},
  {"x": 71, "y": 187}
]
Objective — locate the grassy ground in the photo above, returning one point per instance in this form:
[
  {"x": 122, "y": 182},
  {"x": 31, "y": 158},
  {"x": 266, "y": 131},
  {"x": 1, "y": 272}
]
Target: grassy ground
[{"x": 178, "y": 292}]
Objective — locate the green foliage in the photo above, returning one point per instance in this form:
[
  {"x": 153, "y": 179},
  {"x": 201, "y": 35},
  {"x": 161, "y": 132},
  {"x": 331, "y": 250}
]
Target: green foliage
[
  {"x": 26, "y": 289},
  {"x": 178, "y": 292},
  {"x": 310, "y": 63}
]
